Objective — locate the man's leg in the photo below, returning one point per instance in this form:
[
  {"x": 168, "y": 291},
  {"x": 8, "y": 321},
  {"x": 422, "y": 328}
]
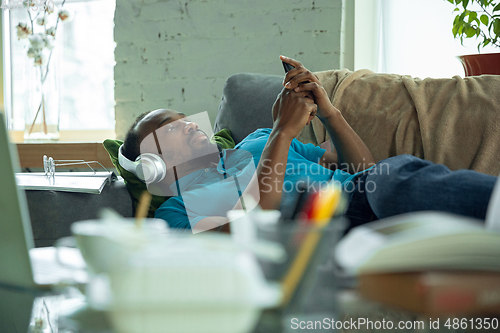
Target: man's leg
[
  {"x": 405, "y": 183},
  {"x": 358, "y": 209}
]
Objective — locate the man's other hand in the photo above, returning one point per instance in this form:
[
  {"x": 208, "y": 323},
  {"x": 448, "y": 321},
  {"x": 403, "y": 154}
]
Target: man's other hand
[
  {"x": 292, "y": 111},
  {"x": 300, "y": 79}
]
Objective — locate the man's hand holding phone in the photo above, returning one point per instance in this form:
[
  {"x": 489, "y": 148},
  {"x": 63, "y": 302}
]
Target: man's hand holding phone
[
  {"x": 300, "y": 79},
  {"x": 292, "y": 111}
]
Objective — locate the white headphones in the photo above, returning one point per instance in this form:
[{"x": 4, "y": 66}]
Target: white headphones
[{"x": 149, "y": 168}]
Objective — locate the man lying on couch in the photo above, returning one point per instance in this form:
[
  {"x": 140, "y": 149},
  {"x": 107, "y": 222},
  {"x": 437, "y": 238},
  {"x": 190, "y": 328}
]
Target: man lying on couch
[{"x": 397, "y": 185}]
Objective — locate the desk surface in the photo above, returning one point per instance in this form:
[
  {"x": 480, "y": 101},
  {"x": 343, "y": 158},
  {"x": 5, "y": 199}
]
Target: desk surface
[
  {"x": 315, "y": 293},
  {"x": 317, "y": 299},
  {"x": 69, "y": 313}
]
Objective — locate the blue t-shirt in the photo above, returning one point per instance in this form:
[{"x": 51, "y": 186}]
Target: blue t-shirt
[{"x": 214, "y": 191}]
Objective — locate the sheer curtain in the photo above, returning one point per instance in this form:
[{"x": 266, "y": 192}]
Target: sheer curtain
[{"x": 415, "y": 38}]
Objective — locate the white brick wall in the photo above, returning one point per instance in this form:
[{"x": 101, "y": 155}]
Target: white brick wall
[{"x": 178, "y": 53}]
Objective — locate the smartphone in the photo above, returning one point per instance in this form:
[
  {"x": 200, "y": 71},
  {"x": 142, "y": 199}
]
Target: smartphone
[{"x": 287, "y": 67}]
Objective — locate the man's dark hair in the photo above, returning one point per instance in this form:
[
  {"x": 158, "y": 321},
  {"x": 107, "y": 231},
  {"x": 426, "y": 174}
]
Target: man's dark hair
[{"x": 131, "y": 144}]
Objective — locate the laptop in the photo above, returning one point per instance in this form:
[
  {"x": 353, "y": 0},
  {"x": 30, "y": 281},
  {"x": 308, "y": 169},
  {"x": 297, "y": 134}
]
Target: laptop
[{"x": 21, "y": 265}]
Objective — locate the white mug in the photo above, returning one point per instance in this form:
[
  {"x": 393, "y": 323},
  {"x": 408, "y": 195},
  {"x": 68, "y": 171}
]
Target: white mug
[{"x": 105, "y": 246}]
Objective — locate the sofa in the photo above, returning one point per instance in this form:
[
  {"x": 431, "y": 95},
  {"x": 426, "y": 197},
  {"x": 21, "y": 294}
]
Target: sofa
[
  {"x": 396, "y": 125},
  {"x": 52, "y": 212}
]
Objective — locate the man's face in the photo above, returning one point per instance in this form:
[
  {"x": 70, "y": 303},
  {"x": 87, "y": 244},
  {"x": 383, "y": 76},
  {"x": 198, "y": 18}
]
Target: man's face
[{"x": 177, "y": 138}]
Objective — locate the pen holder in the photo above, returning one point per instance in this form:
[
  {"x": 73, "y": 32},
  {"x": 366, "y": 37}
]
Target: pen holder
[
  {"x": 292, "y": 235},
  {"x": 309, "y": 250},
  {"x": 306, "y": 276}
]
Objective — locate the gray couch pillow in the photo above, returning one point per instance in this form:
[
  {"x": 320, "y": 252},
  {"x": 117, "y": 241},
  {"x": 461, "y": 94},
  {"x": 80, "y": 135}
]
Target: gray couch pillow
[{"x": 246, "y": 105}]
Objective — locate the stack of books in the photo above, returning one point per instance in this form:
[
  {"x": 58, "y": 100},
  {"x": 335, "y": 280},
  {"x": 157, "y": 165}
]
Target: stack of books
[{"x": 436, "y": 293}]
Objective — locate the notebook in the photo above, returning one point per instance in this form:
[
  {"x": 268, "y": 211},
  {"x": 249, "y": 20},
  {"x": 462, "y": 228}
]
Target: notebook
[
  {"x": 83, "y": 182},
  {"x": 21, "y": 265}
]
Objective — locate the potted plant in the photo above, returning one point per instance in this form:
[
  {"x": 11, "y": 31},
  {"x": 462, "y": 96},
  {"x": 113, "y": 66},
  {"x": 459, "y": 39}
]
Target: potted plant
[{"x": 479, "y": 19}]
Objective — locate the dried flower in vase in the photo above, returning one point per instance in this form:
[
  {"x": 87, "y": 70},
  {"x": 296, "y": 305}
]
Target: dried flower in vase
[
  {"x": 23, "y": 31},
  {"x": 41, "y": 43}
]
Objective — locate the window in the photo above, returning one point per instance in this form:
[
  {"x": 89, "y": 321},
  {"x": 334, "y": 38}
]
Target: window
[
  {"x": 416, "y": 39},
  {"x": 85, "y": 59},
  {"x": 409, "y": 37}
]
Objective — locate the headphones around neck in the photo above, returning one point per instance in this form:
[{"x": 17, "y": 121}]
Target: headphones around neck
[{"x": 149, "y": 168}]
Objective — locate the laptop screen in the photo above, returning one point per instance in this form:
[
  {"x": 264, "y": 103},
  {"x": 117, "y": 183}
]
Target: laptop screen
[{"x": 16, "y": 237}]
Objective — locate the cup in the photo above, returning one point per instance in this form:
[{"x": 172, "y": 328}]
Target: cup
[{"x": 105, "y": 245}]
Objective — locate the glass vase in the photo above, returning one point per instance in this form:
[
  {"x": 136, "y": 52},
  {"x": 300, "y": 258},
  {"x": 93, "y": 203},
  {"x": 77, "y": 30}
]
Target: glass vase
[{"x": 42, "y": 102}]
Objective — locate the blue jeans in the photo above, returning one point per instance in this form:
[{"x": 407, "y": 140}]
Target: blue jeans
[{"x": 405, "y": 183}]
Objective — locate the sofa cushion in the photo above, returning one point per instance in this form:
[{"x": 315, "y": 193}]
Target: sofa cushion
[{"x": 246, "y": 104}]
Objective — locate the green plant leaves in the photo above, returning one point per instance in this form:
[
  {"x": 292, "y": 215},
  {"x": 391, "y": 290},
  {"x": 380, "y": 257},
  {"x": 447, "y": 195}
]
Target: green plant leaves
[
  {"x": 496, "y": 27},
  {"x": 485, "y": 19},
  {"x": 470, "y": 32},
  {"x": 456, "y": 25},
  {"x": 484, "y": 23},
  {"x": 472, "y": 16}
]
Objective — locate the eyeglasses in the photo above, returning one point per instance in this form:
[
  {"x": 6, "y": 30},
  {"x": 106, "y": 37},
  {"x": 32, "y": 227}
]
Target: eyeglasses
[{"x": 49, "y": 165}]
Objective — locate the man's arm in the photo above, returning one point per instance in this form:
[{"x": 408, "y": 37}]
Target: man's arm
[
  {"x": 291, "y": 112},
  {"x": 271, "y": 169},
  {"x": 351, "y": 152},
  {"x": 329, "y": 160},
  {"x": 353, "y": 155}
]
